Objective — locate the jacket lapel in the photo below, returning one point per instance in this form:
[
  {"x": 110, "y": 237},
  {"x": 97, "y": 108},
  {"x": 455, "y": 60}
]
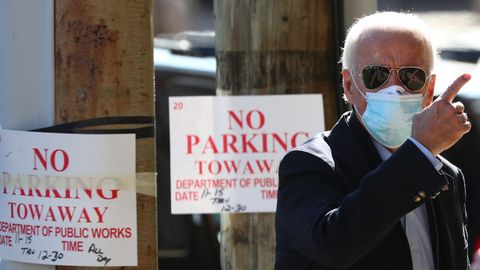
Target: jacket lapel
[
  {"x": 351, "y": 145},
  {"x": 432, "y": 221},
  {"x": 444, "y": 217}
]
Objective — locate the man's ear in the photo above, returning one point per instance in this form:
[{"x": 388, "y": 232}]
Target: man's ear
[
  {"x": 428, "y": 99},
  {"x": 347, "y": 85}
]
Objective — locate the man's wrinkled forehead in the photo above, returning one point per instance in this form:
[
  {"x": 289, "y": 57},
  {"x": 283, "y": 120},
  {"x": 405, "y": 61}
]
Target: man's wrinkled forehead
[
  {"x": 379, "y": 36},
  {"x": 382, "y": 40}
]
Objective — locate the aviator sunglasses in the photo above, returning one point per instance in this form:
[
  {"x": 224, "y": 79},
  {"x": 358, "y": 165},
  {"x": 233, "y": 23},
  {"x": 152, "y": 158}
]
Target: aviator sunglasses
[{"x": 414, "y": 78}]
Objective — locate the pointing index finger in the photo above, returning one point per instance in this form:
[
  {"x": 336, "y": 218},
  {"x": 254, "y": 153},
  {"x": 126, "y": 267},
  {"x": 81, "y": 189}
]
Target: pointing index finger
[{"x": 453, "y": 89}]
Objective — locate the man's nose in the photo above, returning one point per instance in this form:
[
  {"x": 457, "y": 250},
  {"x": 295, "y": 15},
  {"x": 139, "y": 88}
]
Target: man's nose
[{"x": 393, "y": 79}]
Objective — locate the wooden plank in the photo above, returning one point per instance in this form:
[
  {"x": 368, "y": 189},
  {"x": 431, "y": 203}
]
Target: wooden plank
[
  {"x": 270, "y": 47},
  {"x": 104, "y": 67}
]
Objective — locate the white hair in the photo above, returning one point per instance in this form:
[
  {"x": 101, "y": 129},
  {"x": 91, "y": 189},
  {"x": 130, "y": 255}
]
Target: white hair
[{"x": 385, "y": 21}]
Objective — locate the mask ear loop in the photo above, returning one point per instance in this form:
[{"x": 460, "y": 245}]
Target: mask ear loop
[
  {"x": 358, "y": 89},
  {"x": 356, "y": 85}
]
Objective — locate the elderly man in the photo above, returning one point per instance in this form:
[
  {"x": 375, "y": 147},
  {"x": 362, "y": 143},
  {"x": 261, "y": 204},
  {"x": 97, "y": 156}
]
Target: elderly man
[{"x": 373, "y": 193}]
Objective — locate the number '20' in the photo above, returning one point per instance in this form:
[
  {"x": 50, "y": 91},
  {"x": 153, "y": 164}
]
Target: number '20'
[{"x": 177, "y": 105}]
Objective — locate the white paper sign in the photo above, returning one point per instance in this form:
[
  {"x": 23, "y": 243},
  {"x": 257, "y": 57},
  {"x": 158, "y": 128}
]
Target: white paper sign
[
  {"x": 225, "y": 150},
  {"x": 68, "y": 199}
]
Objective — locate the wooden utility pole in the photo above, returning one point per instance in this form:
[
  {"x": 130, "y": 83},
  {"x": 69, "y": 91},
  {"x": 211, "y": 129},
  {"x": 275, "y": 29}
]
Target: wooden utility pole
[
  {"x": 104, "y": 67},
  {"x": 270, "y": 47}
]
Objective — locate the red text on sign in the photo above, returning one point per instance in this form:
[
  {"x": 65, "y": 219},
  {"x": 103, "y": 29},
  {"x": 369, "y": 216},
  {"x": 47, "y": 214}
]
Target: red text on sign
[
  {"x": 255, "y": 119},
  {"x": 269, "y": 194},
  {"x": 56, "y": 156},
  {"x": 216, "y": 167},
  {"x": 57, "y": 213},
  {"x": 6, "y": 240},
  {"x": 60, "y": 187},
  {"x": 112, "y": 232},
  {"x": 75, "y": 246},
  {"x": 245, "y": 143},
  {"x": 187, "y": 196}
]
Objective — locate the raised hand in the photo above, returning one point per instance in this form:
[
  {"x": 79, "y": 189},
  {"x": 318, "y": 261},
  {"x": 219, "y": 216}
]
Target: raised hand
[{"x": 443, "y": 123}]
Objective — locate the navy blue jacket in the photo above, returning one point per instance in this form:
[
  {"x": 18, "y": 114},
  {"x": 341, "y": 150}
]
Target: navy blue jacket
[{"x": 339, "y": 206}]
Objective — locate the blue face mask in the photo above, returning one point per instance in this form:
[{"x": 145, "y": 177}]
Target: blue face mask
[{"x": 388, "y": 117}]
